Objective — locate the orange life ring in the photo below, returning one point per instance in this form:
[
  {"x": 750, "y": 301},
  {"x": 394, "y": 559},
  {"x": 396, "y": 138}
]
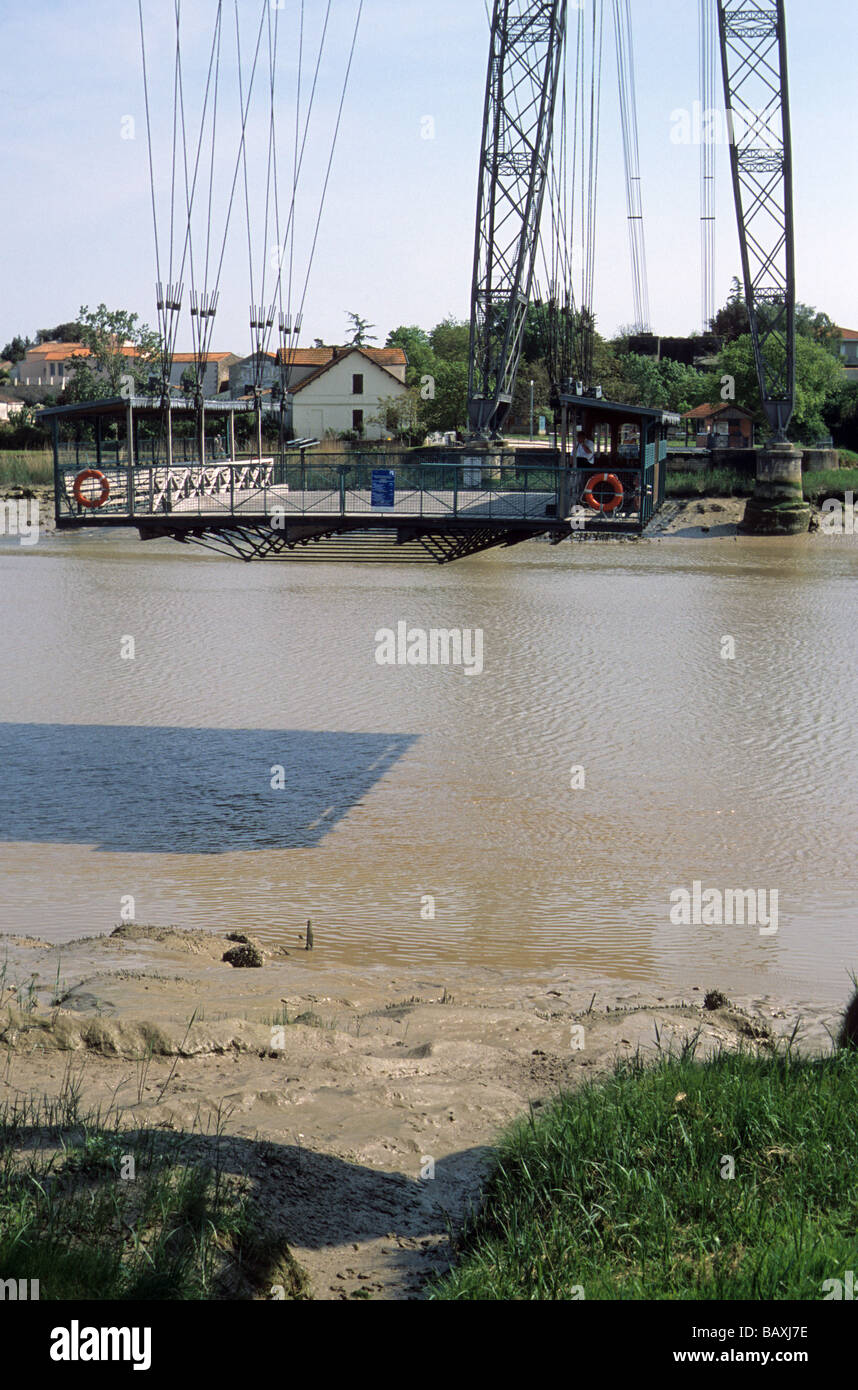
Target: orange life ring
[
  {"x": 87, "y": 476},
  {"x": 616, "y": 487}
]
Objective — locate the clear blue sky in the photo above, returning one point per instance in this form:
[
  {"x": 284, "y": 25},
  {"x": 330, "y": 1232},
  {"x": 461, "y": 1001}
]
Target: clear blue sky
[{"x": 397, "y": 238}]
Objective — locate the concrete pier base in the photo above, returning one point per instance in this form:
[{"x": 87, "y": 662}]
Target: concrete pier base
[{"x": 777, "y": 507}]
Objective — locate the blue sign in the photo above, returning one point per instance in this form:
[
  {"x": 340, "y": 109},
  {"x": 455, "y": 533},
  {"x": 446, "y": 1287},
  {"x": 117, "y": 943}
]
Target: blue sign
[{"x": 383, "y": 488}]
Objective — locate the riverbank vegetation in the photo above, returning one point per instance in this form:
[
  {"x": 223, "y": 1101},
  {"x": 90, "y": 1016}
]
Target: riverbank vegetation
[
  {"x": 819, "y": 485},
  {"x": 93, "y": 1210},
  {"x": 730, "y": 1179},
  {"x": 26, "y": 468},
  {"x": 709, "y": 482},
  {"x": 673, "y": 374}
]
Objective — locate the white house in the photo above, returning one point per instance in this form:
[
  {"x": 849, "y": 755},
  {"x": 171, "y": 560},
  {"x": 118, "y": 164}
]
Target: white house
[{"x": 345, "y": 391}]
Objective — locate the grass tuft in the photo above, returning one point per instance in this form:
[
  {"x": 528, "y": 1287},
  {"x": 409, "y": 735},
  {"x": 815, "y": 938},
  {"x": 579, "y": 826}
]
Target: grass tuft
[
  {"x": 96, "y": 1211},
  {"x": 617, "y": 1189},
  {"x": 26, "y": 467}
]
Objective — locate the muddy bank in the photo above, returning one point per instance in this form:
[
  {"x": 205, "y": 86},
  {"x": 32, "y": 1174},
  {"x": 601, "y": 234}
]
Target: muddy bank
[{"x": 361, "y": 1104}]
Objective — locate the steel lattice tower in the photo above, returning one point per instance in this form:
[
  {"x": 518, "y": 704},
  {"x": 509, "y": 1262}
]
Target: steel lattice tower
[
  {"x": 756, "y": 88},
  {"x": 521, "y": 92}
]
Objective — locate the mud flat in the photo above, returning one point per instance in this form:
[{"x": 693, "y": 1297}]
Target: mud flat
[{"x": 362, "y": 1105}]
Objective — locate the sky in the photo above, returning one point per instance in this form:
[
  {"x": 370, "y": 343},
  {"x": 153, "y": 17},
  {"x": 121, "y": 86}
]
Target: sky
[{"x": 396, "y": 238}]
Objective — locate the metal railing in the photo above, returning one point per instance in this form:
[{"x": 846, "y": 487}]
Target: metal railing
[{"x": 468, "y": 488}]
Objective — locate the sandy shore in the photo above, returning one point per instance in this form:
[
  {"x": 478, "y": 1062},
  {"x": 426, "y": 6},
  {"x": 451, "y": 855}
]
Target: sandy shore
[
  {"x": 717, "y": 518},
  {"x": 365, "y": 1122}
]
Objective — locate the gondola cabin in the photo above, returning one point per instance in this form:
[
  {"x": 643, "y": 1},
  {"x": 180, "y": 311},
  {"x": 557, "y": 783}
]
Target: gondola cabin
[{"x": 615, "y": 459}]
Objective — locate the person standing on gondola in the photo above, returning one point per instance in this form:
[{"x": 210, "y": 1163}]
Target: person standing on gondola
[{"x": 586, "y": 450}]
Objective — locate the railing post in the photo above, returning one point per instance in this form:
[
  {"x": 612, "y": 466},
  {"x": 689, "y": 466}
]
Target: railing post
[{"x": 130, "y": 475}]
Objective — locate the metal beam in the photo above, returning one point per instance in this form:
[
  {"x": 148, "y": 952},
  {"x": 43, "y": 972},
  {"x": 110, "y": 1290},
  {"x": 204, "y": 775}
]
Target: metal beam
[
  {"x": 756, "y": 92},
  {"x": 521, "y": 92}
]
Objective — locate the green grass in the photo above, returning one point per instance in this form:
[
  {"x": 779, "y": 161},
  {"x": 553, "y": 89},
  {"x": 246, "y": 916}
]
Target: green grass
[
  {"x": 73, "y": 1218},
  {"x": 724, "y": 482},
  {"x": 832, "y": 482},
  {"x": 710, "y": 482},
  {"x": 23, "y": 467},
  {"x": 617, "y": 1188}
]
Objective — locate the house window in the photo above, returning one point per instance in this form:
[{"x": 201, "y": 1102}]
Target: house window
[
  {"x": 357, "y": 420},
  {"x": 357, "y": 384}
]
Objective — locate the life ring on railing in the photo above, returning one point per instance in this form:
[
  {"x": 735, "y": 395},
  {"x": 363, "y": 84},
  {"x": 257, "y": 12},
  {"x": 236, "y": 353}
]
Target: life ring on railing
[
  {"x": 90, "y": 475},
  {"x": 604, "y": 479}
]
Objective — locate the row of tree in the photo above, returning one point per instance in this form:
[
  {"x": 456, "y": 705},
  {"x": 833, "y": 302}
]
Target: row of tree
[
  {"x": 826, "y": 402},
  {"x": 437, "y": 374}
]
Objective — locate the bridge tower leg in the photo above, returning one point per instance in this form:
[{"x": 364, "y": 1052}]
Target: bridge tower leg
[
  {"x": 756, "y": 88},
  {"x": 521, "y": 93}
]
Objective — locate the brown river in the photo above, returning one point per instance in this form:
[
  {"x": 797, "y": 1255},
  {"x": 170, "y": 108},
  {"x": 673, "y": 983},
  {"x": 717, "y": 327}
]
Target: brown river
[{"x": 191, "y": 740}]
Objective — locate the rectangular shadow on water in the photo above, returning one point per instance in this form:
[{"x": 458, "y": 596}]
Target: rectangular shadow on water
[{"x": 183, "y": 791}]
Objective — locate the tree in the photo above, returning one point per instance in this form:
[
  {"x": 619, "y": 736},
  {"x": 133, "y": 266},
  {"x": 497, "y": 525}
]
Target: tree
[
  {"x": 733, "y": 321},
  {"x": 415, "y": 344},
  {"x": 451, "y": 340},
  {"x": 16, "y": 350},
  {"x": 537, "y": 372},
  {"x": 188, "y": 381},
  {"x": 401, "y": 415},
  {"x": 818, "y": 380},
  {"x": 122, "y": 354},
  {"x": 360, "y": 330},
  {"x": 841, "y": 415},
  {"x": 812, "y": 323},
  {"x": 447, "y": 409},
  {"x": 63, "y": 333}
]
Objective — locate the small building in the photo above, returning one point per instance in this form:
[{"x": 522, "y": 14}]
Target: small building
[
  {"x": 216, "y": 376},
  {"x": 48, "y": 365},
  {"x": 849, "y": 352},
  {"x": 344, "y": 393},
  {"x": 242, "y": 373},
  {"x": 724, "y": 426},
  {"x": 10, "y": 406}
]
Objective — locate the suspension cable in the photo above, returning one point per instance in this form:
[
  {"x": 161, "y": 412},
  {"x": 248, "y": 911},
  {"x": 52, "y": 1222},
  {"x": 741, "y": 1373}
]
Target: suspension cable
[
  {"x": 631, "y": 156},
  {"x": 708, "y": 82},
  {"x": 299, "y": 163},
  {"x": 332, "y": 153}
]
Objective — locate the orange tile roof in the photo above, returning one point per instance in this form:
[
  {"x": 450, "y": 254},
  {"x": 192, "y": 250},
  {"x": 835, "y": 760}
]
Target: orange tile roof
[
  {"x": 58, "y": 352},
  {"x": 210, "y": 356},
  {"x": 61, "y": 352},
  {"x": 320, "y": 357},
  {"x": 848, "y": 334},
  {"x": 702, "y": 412},
  {"x": 341, "y": 356}
]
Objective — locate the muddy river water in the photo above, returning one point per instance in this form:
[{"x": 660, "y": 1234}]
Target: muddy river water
[{"x": 187, "y": 739}]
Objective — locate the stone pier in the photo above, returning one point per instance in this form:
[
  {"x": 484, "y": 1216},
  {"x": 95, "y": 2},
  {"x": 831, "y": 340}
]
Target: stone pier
[{"x": 777, "y": 507}]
